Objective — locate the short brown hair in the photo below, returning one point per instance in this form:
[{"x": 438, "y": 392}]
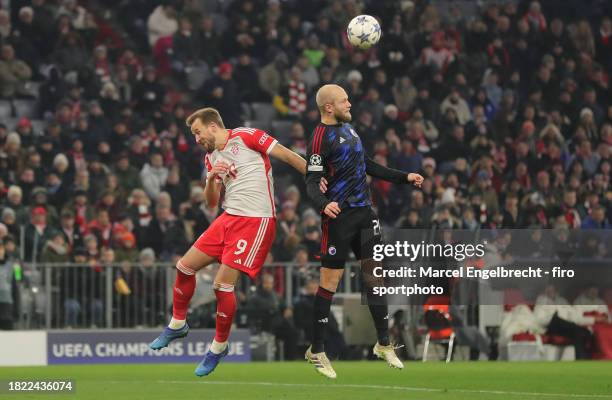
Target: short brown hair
[{"x": 206, "y": 115}]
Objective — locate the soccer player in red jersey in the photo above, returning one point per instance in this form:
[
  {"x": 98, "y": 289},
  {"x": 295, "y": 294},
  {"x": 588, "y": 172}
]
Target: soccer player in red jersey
[{"x": 240, "y": 238}]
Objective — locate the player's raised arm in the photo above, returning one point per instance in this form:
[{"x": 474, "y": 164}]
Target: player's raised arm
[
  {"x": 262, "y": 142},
  {"x": 290, "y": 157},
  {"x": 391, "y": 175}
]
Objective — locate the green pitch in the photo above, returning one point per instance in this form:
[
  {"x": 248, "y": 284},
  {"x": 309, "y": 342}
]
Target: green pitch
[{"x": 356, "y": 380}]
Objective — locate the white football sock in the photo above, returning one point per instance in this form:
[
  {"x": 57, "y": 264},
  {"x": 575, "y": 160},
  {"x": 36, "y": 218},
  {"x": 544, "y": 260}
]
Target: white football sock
[
  {"x": 176, "y": 323},
  {"x": 217, "y": 347}
]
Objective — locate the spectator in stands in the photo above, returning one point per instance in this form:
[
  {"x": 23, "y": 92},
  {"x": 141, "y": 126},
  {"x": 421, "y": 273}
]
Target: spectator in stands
[
  {"x": 298, "y": 139},
  {"x": 119, "y": 140},
  {"x": 165, "y": 235},
  {"x": 56, "y": 249},
  {"x": 288, "y": 232},
  {"x": 101, "y": 227},
  {"x": 246, "y": 78},
  {"x": 309, "y": 74},
  {"x": 28, "y": 39},
  {"x": 374, "y": 105},
  {"x": 603, "y": 43},
  {"x": 265, "y": 306},
  {"x": 267, "y": 312},
  {"x": 274, "y": 76},
  {"x": 295, "y": 97},
  {"x": 9, "y": 219},
  {"x": 162, "y": 22},
  {"x": 210, "y": 40},
  {"x": 222, "y": 93},
  {"x": 196, "y": 215},
  {"x": 589, "y": 303},
  {"x": 149, "y": 93},
  {"x": 5, "y": 24},
  {"x": 8, "y": 288},
  {"x": 582, "y": 38},
  {"x": 72, "y": 234},
  {"x": 71, "y": 54},
  {"x": 455, "y": 102},
  {"x": 597, "y": 219},
  {"x": 14, "y": 74},
  {"x": 186, "y": 46},
  {"x": 558, "y": 317},
  {"x": 82, "y": 209},
  {"x": 97, "y": 175},
  {"x": 36, "y": 233},
  {"x": 154, "y": 175},
  {"x": 452, "y": 148}
]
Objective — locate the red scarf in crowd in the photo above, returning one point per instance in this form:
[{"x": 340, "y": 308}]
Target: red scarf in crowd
[{"x": 297, "y": 97}]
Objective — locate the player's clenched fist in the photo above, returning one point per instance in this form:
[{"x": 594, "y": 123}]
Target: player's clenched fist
[
  {"x": 416, "y": 179},
  {"x": 332, "y": 209},
  {"x": 219, "y": 170}
]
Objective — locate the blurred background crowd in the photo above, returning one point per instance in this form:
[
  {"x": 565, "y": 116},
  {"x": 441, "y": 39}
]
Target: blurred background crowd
[{"x": 503, "y": 106}]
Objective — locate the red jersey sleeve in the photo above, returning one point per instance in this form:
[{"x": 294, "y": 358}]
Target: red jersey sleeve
[{"x": 257, "y": 140}]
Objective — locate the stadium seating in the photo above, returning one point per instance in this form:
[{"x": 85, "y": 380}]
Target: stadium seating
[
  {"x": 438, "y": 321},
  {"x": 281, "y": 130},
  {"x": 25, "y": 108},
  {"x": 264, "y": 112},
  {"x": 5, "y": 110},
  {"x": 259, "y": 124},
  {"x": 526, "y": 346}
]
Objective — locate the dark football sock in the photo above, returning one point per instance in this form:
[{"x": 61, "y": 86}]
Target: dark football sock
[
  {"x": 380, "y": 315},
  {"x": 322, "y": 305}
]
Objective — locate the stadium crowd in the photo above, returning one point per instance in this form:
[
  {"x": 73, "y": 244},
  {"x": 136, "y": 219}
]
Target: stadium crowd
[{"x": 505, "y": 109}]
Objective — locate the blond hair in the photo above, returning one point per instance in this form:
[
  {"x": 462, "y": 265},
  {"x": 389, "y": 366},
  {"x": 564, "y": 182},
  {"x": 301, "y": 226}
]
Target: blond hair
[{"x": 206, "y": 116}]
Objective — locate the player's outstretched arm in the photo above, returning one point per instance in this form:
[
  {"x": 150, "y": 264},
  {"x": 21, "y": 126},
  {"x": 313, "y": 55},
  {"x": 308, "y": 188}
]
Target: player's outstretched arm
[
  {"x": 391, "y": 175},
  {"x": 213, "y": 183},
  {"x": 290, "y": 157}
]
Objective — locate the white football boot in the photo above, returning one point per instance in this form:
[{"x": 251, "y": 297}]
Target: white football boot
[
  {"x": 321, "y": 363},
  {"x": 387, "y": 353}
]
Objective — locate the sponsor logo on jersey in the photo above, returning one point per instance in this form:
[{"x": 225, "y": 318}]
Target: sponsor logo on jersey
[
  {"x": 331, "y": 250},
  {"x": 324, "y": 320},
  {"x": 238, "y": 261},
  {"x": 263, "y": 138},
  {"x": 342, "y": 140}
]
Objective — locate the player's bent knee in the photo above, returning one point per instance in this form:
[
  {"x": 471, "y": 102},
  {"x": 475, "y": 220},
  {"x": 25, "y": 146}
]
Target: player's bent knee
[
  {"x": 223, "y": 287},
  {"x": 330, "y": 279},
  {"x": 180, "y": 265}
]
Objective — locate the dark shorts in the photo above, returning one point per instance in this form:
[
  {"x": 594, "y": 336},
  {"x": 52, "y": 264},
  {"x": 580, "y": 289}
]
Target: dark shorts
[{"x": 356, "y": 229}]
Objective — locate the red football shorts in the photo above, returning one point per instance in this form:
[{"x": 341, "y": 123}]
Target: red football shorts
[{"x": 239, "y": 242}]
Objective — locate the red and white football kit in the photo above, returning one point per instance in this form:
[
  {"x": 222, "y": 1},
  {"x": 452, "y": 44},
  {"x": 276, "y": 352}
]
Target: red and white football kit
[{"x": 242, "y": 236}]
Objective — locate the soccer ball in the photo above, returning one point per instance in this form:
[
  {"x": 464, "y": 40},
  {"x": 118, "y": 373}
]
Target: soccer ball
[{"x": 363, "y": 31}]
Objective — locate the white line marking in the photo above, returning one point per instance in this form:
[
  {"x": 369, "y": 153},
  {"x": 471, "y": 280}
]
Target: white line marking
[
  {"x": 380, "y": 387},
  {"x": 263, "y": 224}
]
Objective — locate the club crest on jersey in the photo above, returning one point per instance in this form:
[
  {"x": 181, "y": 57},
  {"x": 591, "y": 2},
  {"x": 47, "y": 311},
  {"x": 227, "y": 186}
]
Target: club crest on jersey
[
  {"x": 354, "y": 133},
  {"x": 234, "y": 150},
  {"x": 331, "y": 251},
  {"x": 315, "y": 159}
]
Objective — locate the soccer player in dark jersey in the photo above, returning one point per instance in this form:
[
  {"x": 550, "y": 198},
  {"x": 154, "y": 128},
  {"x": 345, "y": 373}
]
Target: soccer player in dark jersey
[{"x": 336, "y": 153}]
